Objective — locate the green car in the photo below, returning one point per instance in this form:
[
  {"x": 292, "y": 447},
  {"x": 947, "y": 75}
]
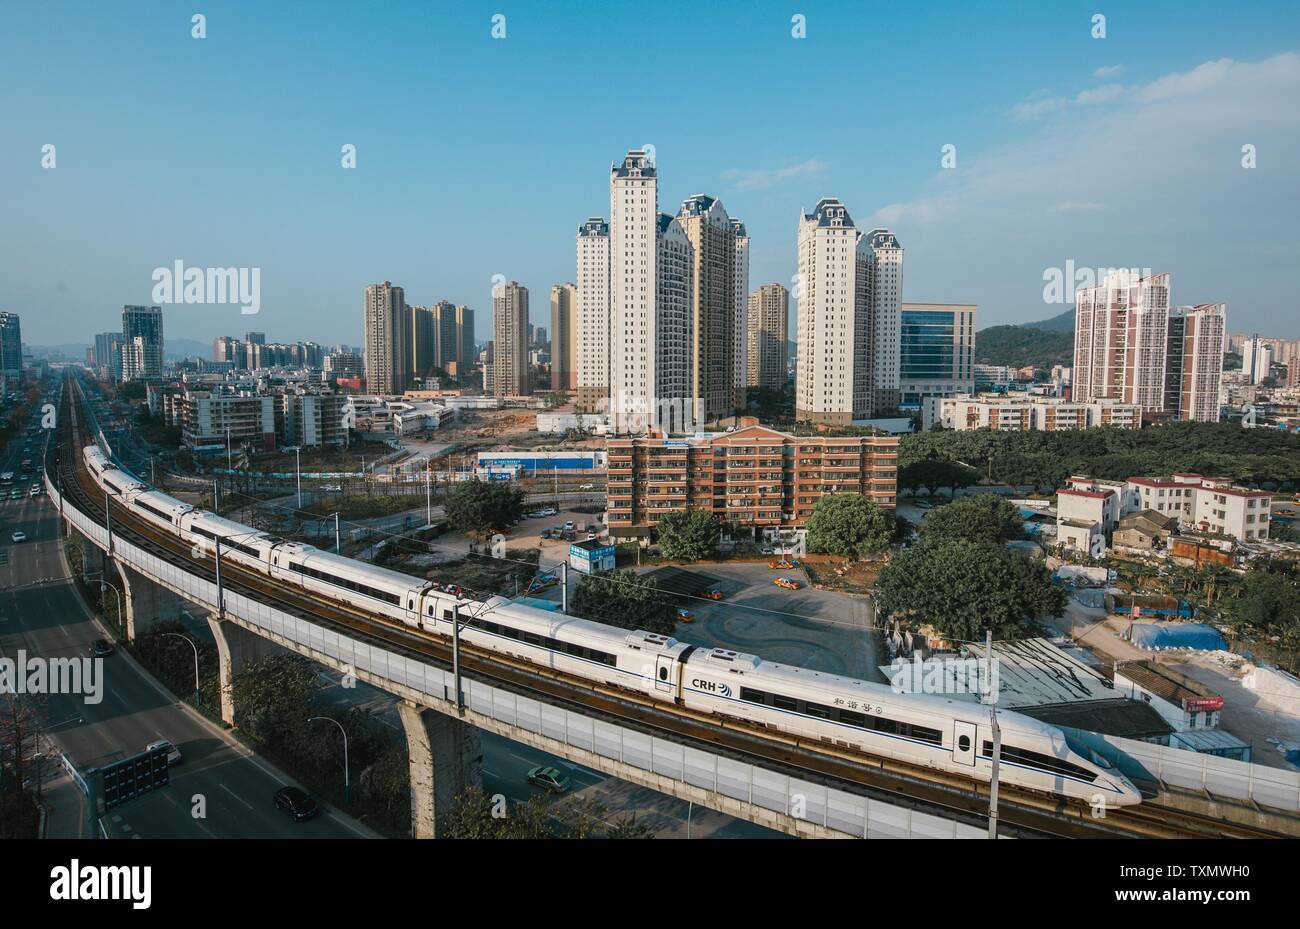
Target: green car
[{"x": 549, "y": 778}]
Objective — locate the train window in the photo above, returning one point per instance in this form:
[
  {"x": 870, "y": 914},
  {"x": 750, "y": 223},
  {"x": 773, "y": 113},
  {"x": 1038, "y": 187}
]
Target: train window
[
  {"x": 853, "y": 719},
  {"x": 880, "y": 724},
  {"x": 963, "y": 743},
  {"x": 552, "y": 644},
  {"x": 573, "y": 648},
  {"x": 926, "y": 735},
  {"x": 410, "y": 604},
  {"x": 784, "y": 703},
  {"x": 531, "y": 638},
  {"x": 446, "y": 616},
  {"x": 509, "y": 633},
  {"x": 663, "y": 674},
  {"x": 1045, "y": 763},
  {"x": 430, "y": 609},
  {"x": 753, "y": 696},
  {"x": 816, "y": 709}
]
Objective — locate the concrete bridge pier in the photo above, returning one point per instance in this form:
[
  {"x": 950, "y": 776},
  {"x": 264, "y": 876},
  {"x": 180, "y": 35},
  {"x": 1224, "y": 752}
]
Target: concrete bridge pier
[
  {"x": 446, "y": 759},
  {"x": 93, "y": 559},
  {"x": 235, "y": 646},
  {"x": 145, "y": 602}
]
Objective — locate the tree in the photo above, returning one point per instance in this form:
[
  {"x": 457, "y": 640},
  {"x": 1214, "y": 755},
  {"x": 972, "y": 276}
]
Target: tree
[
  {"x": 848, "y": 524},
  {"x": 482, "y": 506},
  {"x": 273, "y": 696},
  {"x": 982, "y": 518},
  {"x": 1268, "y": 600},
  {"x": 688, "y": 535},
  {"x": 934, "y": 473},
  {"x": 963, "y": 588},
  {"x": 623, "y": 599}
]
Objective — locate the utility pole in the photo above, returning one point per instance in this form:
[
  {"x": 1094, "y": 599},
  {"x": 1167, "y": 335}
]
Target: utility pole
[
  {"x": 337, "y": 548},
  {"x": 455, "y": 656},
  {"x": 564, "y": 587},
  {"x": 997, "y": 737},
  {"x": 216, "y": 506},
  {"x": 428, "y": 494},
  {"x": 221, "y": 596}
]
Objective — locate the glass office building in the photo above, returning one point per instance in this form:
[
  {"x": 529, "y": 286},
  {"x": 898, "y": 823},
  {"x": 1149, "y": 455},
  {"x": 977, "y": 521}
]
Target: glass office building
[{"x": 936, "y": 351}]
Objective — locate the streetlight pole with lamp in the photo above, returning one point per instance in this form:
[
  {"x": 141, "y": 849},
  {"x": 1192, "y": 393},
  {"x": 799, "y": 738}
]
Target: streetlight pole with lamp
[{"x": 197, "y": 698}]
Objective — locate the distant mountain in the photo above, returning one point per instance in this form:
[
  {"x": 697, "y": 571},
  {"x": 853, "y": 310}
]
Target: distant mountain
[
  {"x": 1062, "y": 323},
  {"x": 1042, "y": 344},
  {"x": 173, "y": 349}
]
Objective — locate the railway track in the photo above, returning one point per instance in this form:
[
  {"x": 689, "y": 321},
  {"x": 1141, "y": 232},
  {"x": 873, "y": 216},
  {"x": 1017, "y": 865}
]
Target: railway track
[{"x": 1021, "y": 813}]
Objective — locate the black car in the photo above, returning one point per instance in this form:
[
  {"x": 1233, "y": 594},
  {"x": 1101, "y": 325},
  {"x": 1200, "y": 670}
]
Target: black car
[
  {"x": 101, "y": 648},
  {"x": 296, "y": 802}
]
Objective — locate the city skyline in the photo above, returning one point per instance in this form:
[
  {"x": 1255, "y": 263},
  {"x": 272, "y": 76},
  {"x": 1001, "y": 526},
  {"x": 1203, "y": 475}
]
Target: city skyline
[{"x": 1027, "y": 180}]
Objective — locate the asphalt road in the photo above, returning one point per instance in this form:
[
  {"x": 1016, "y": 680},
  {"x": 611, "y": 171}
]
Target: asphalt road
[{"x": 41, "y": 613}]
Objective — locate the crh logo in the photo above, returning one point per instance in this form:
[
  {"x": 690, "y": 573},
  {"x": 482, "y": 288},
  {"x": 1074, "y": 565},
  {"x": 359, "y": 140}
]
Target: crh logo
[{"x": 711, "y": 687}]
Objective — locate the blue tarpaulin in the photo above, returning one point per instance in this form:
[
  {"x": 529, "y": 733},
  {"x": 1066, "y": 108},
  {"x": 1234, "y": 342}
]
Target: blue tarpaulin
[{"x": 1197, "y": 636}]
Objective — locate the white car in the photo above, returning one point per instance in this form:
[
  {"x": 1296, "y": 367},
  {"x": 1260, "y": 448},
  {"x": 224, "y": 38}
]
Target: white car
[
  {"x": 19, "y": 536},
  {"x": 587, "y": 487},
  {"x": 173, "y": 753}
]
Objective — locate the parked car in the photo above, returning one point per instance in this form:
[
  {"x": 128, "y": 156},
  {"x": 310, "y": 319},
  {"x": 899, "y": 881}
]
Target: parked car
[
  {"x": 587, "y": 487},
  {"x": 783, "y": 565},
  {"x": 101, "y": 648},
  {"x": 19, "y": 536},
  {"x": 549, "y": 778},
  {"x": 173, "y": 753},
  {"x": 712, "y": 593},
  {"x": 684, "y": 615},
  {"x": 786, "y": 583},
  {"x": 568, "y": 525},
  {"x": 296, "y": 803}
]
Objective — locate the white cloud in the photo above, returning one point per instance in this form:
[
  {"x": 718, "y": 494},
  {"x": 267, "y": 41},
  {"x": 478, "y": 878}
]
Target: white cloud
[
  {"x": 1108, "y": 71},
  {"x": 1151, "y": 179},
  {"x": 1043, "y": 105},
  {"x": 759, "y": 179}
]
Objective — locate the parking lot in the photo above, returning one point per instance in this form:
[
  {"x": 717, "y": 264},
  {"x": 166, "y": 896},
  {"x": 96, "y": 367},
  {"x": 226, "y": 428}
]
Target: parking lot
[{"x": 817, "y": 629}]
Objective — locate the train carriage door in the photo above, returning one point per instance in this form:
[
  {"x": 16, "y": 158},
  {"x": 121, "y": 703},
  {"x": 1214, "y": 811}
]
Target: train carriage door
[
  {"x": 963, "y": 743},
  {"x": 664, "y": 673}
]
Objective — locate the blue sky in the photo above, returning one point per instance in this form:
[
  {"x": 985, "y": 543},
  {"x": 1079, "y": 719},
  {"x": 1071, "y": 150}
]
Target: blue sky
[{"x": 478, "y": 157}]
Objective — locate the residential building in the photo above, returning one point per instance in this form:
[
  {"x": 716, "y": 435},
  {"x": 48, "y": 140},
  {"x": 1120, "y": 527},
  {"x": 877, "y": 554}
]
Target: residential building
[
  {"x": 1021, "y": 412},
  {"x": 634, "y": 232},
  {"x": 388, "y": 339},
  {"x": 884, "y": 332},
  {"x": 510, "y": 369},
  {"x": 1256, "y": 359},
  {"x": 1194, "y": 362},
  {"x": 1120, "y": 340},
  {"x": 592, "y": 317},
  {"x": 936, "y": 351},
  {"x": 1209, "y": 504},
  {"x": 740, "y": 236},
  {"x": 142, "y": 342},
  {"x": 214, "y": 418},
  {"x": 564, "y": 336},
  {"x": 834, "y": 362},
  {"x": 1184, "y": 702},
  {"x": 108, "y": 354},
  {"x": 758, "y": 478},
  {"x": 767, "y": 331},
  {"x": 467, "y": 353},
  {"x": 311, "y": 420},
  {"x": 11, "y": 346},
  {"x": 713, "y": 304},
  {"x": 423, "y": 341}
]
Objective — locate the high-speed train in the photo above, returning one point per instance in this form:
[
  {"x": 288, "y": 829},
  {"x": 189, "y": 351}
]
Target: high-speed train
[{"x": 815, "y": 707}]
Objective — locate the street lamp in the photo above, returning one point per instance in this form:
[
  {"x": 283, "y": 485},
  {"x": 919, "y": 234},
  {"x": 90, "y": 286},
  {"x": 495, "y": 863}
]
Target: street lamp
[
  {"x": 345, "y": 750},
  {"x": 197, "y": 698},
  {"x": 297, "y": 451},
  {"x": 104, "y": 581}
]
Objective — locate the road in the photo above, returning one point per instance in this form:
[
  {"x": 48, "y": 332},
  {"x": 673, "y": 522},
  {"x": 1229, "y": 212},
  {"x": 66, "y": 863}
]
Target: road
[{"x": 41, "y": 613}]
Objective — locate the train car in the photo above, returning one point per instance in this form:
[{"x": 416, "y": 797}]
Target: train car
[
  {"x": 921, "y": 729},
  {"x": 158, "y": 508},
  {"x": 353, "y": 582},
  {"x": 642, "y": 662},
  {"x": 249, "y": 547}
]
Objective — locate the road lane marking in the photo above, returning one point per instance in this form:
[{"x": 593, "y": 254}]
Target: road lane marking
[{"x": 237, "y": 797}]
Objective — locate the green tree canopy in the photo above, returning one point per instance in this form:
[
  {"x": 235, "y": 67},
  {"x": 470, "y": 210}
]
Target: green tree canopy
[
  {"x": 963, "y": 588},
  {"x": 688, "y": 535},
  {"x": 483, "y": 506},
  {"x": 848, "y": 524},
  {"x": 1267, "y": 601},
  {"x": 981, "y": 518},
  {"x": 621, "y": 598}
]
